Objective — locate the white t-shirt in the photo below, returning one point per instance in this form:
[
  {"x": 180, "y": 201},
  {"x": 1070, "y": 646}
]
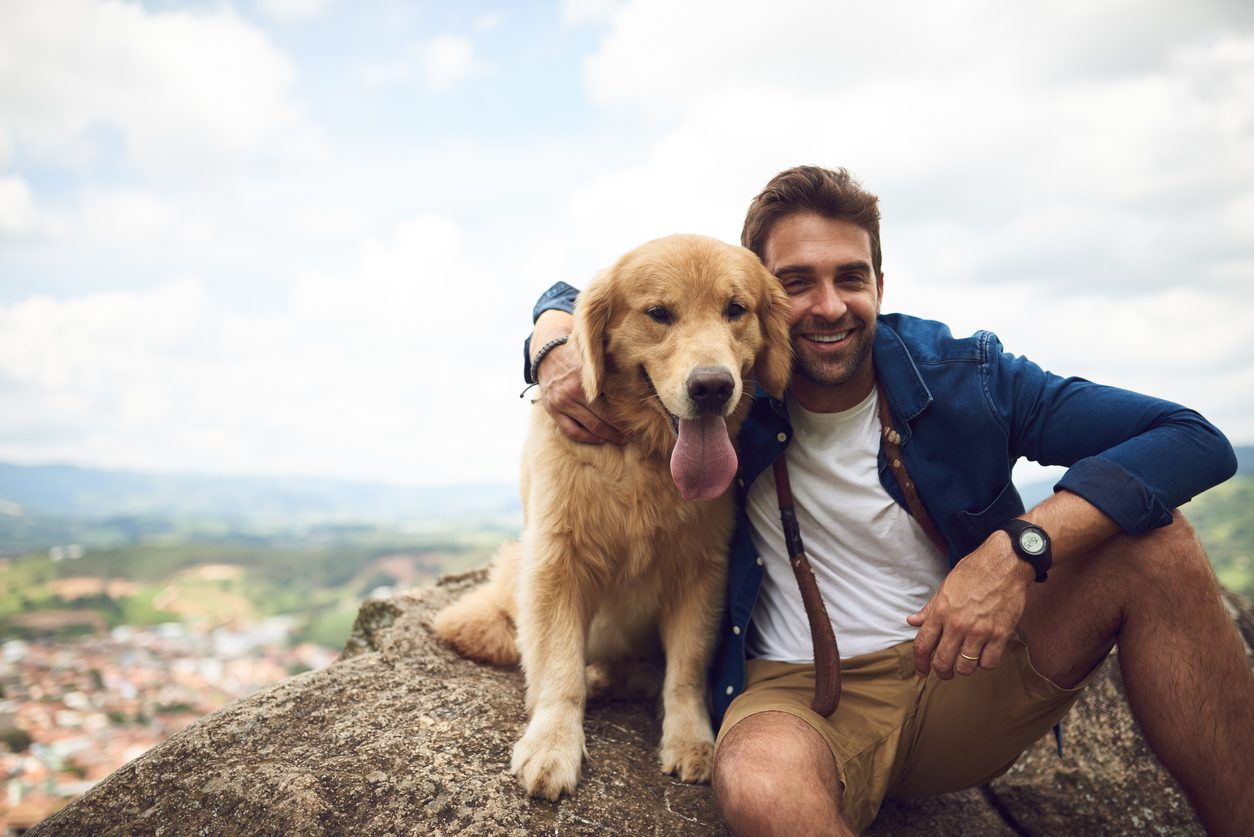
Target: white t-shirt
[{"x": 873, "y": 563}]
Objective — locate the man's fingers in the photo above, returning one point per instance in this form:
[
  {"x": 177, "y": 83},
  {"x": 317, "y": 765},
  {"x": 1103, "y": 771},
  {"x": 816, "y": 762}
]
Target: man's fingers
[
  {"x": 576, "y": 431},
  {"x": 924, "y": 647},
  {"x": 991, "y": 656},
  {"x": 968, "y": 659},
  {"x": 945, "y": 656},
  {"x": 594, "y": 420}
]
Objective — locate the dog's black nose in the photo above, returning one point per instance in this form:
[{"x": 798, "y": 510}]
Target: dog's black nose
[{"x": 710, "y": 387}]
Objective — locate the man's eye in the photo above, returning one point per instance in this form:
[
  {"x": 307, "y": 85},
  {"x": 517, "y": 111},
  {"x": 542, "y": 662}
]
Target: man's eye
[
  {"x": 659, "y": 314},
  {"x": 735, "y": 311}
]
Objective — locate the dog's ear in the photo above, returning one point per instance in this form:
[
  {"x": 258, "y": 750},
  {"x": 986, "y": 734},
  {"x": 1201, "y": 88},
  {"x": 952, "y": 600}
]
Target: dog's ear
[
  {"x": 592, "y": 319},
  {"x": 774, "y": 363}
]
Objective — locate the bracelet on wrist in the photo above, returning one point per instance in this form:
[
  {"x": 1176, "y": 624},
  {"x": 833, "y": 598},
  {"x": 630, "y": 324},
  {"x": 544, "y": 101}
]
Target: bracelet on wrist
[{"x": 544, "y": 350}]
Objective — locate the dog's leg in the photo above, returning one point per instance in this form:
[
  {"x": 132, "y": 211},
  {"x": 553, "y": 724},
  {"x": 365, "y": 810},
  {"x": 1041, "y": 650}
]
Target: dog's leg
[
  {"x": 553, "y": 619},
  {"x": 480, "y": 625},
  {"x": 688, "y": 621}
]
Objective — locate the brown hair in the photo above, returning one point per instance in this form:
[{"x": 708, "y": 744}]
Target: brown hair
[{"x": 831, "y": 194}]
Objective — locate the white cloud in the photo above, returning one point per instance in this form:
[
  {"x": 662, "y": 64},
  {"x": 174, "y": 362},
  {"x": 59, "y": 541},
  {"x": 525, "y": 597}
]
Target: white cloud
[
  {"x": 183, "y": 91},
  {"x": 578, "y": 12},
  {"x": 288, "y": 11},
  {"x": 448, "y": 60},
  {"x": 439, "y": 64},
  {"x": 17, "y": 208},
  {"x": 388, "y": 372}
]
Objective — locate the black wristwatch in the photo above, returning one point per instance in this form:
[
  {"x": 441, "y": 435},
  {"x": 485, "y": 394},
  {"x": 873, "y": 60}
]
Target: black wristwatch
[{"x": 1031, "y": 543}]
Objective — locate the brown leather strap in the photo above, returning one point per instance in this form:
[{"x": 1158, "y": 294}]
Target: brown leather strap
[
  {"x": 826, "y": 654},
  {"x": 892, "y": 450}
]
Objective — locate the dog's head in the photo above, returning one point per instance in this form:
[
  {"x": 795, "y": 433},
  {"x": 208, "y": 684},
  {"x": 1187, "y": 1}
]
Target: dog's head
[{"x": 672, "y": 333}]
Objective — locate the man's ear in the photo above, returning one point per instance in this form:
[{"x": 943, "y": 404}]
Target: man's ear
[
  {"x": 592, "y": 318},
  {"x": 774, "y": 364}
]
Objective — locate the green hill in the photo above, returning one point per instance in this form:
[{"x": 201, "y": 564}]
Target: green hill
[{"x": 1224, "y": 519}]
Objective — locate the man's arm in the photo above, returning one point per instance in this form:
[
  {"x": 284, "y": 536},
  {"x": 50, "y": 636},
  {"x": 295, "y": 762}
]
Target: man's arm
[
  {"x": 559, "y": 377},
  {"x": 1131, "y": 459}
]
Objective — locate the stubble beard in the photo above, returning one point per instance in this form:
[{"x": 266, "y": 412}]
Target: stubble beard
[{"x": 831, "y": 372}]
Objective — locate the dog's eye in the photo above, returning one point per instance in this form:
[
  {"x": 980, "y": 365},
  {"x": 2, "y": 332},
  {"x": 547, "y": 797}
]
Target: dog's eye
[
  {"x": 735, "y": 311},
  {"x": 659, "y": 314}
]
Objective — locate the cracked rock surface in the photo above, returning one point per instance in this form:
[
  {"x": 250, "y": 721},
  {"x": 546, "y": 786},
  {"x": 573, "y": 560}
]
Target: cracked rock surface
[{"x": 403, "y": 737}]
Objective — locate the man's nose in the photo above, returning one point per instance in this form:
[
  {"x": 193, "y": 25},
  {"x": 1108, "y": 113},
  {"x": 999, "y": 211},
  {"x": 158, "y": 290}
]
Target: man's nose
[{"x": 828, "y": 303}]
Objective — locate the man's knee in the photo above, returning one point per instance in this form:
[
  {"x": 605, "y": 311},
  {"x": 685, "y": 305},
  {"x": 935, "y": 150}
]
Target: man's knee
[{"x": 769, "y": 763}]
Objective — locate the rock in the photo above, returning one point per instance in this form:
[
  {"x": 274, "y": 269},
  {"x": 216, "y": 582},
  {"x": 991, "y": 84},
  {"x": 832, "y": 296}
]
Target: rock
[{"x": 402, "y": 737}]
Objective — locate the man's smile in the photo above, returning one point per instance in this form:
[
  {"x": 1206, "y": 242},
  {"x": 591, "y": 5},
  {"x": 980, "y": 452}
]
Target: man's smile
[{"x": 828, "y": 338}]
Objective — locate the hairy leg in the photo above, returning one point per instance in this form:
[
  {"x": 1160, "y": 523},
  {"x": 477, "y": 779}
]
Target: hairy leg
[
  {"x": 775, "y": 775},
  {"x": 1183, "y": 664}
]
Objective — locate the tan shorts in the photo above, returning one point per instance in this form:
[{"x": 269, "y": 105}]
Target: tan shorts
[{"x": 894, "y": 735}]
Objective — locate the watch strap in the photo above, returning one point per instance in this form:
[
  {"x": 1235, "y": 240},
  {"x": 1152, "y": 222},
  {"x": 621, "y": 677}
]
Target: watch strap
[{"x": 1040, "y": 562}]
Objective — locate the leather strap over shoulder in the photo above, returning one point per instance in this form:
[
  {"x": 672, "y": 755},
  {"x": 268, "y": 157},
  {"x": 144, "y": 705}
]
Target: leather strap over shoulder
[{"x": 892, "y": 450}]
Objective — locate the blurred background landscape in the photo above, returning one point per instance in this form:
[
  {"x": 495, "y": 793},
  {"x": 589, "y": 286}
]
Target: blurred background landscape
[{"x": 132, "y": 604}]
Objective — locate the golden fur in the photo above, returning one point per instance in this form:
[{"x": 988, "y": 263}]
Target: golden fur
[{"x": 613, "y": 559}]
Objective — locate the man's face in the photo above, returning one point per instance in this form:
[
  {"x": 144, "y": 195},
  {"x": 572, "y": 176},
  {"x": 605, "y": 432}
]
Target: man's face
[{"x": 825, "y": 267}]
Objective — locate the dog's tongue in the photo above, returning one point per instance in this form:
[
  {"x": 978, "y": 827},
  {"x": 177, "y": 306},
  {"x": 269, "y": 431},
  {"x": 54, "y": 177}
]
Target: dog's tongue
[{"x": 703, "y": 462}]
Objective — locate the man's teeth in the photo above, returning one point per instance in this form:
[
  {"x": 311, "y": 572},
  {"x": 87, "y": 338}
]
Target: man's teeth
[{"x": 827, "y": 338}]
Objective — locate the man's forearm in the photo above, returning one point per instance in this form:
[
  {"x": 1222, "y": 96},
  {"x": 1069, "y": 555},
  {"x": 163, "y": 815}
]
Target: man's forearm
[{"x": 1074, "y": 525}]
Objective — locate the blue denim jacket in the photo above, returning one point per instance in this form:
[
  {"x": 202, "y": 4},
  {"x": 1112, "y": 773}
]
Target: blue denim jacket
[{"x": 967, "y": 411}]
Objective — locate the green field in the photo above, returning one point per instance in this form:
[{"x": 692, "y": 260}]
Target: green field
[{"x": 319, "y": 577}]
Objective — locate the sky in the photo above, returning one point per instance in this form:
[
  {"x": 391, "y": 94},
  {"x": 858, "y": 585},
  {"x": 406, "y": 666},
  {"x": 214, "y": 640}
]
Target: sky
[{"x": 303, "y": 237}]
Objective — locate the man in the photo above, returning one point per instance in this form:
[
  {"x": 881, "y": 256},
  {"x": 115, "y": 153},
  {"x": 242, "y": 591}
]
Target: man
[{"x": 954, "y": 659}]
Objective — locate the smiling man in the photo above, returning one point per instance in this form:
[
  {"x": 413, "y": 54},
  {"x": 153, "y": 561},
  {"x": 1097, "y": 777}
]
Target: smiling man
[{"x": 966, "y": 625}]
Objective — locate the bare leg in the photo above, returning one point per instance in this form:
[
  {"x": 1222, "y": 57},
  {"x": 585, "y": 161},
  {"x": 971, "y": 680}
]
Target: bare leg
[
  {"x": 1184, "y": 668},
  {"x": 774, "y": 775}
]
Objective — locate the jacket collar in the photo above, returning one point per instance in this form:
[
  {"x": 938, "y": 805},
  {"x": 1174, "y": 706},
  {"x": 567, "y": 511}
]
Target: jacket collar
[{"x": 899, "y": 378}]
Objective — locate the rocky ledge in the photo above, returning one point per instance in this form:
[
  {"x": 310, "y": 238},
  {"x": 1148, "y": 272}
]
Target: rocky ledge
[{"x": 402, "y": 737}]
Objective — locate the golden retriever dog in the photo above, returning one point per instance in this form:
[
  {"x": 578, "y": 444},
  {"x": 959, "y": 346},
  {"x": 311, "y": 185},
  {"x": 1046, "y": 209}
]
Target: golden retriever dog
[{"x": 624, "y": 548}]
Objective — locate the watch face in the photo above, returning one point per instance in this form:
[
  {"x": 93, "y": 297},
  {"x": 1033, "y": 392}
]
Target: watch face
[{"x": 1031, "y": 542}]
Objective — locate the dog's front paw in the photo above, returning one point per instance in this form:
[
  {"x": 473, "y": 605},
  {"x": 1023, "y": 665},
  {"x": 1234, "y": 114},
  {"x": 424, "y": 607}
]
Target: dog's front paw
[
  {"x": 547, "y": 759},
  {"x": 691, "y": 760}
]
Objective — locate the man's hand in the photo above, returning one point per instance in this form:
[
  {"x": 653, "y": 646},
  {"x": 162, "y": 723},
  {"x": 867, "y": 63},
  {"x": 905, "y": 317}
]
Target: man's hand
[
  {"x": 973, "y": 614},
  {"x": 561, "y": 387},
  {"x": 981, "y": 601}
]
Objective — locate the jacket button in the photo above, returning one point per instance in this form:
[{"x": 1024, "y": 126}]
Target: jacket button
[
  {"x": 783, "y": 437},
  {"x": 736, "y": 630},
  {"x": 730, "y": 690},
  {"x": 760, "y": 561}
]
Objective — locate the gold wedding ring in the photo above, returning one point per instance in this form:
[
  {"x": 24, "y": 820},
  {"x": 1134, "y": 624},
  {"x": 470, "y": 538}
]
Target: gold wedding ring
[{"x": 974, "y": 659}]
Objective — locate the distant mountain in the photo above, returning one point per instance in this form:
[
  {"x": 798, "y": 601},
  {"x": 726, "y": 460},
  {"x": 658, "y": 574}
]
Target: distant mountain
[
  {"x": 66, "y": 491},
  {"x": 1245, "y": 459}
]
